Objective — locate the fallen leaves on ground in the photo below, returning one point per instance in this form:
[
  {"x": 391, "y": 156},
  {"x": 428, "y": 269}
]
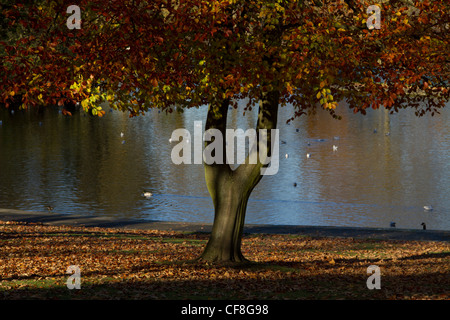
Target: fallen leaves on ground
[{"x": 152, "y": 264}]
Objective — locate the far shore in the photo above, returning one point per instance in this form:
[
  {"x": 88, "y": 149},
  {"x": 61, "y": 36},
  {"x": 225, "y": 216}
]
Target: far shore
[{"x": 53, "y": 218}]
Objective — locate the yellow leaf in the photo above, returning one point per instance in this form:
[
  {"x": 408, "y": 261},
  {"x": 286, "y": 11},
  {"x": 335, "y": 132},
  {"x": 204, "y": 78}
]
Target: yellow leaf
[
  {"x": 318, "y": 95},
  {"x": 289, "y": 88}
]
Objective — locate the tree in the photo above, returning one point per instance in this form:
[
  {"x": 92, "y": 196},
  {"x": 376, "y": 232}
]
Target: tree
[{"x": 159, "y": 54}]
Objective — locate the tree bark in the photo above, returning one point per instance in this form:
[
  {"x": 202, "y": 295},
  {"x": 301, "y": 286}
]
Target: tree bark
[{"x": 230, "y": 190}]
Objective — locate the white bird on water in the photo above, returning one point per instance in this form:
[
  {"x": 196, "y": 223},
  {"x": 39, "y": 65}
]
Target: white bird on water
[
  {"x": 428, "y": 208},
  {"x": 335, "y": 148},
  {"x": 308, "y": 155},
  {"x": 147, "y": 194}
]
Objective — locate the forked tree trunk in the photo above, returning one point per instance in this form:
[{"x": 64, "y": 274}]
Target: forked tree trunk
[{"x": 230, "y": 190}]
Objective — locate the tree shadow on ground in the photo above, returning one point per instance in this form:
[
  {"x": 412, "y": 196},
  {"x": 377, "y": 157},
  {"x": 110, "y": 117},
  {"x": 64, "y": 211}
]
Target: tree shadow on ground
[{"x": 291, "y": 283}]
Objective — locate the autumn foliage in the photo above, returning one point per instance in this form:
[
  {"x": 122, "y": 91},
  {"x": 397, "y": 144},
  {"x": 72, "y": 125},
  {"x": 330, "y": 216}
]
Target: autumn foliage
[
  {"x": 138, "y": 55},
  {"x": 160, "y": 53},
  {"x": 151, "y": 264}
]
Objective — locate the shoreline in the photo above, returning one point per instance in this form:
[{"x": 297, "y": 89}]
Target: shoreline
[{"x": 53, "y": 218}]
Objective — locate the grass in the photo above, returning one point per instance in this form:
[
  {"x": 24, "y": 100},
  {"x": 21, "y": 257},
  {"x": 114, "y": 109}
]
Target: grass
[{"x": 136, "y": 264}]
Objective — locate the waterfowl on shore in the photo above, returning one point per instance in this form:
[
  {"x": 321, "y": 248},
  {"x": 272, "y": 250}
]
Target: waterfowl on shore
[
  {"x": 392, "y": 224},
  {"x": 424, "y": 226}
]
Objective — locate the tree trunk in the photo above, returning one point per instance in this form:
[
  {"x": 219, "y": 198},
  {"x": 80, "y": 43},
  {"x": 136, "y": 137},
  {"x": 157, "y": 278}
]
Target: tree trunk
[
  {"x": 230, "y": 204},
  {"x": 230, "y": 190}
]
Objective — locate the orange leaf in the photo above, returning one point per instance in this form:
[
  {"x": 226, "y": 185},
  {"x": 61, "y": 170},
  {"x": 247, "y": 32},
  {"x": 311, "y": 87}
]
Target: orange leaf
[{"x": 66, "y": 113}]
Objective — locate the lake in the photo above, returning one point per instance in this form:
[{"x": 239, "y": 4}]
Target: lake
[{"x": 385, "y": 168}]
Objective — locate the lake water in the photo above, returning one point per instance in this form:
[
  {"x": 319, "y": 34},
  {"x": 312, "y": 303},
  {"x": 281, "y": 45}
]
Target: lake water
[{"x": 82, "y": 165}]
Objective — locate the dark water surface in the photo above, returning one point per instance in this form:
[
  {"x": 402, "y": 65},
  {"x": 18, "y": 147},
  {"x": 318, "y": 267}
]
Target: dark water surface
[{"x": 385, "y": 168}]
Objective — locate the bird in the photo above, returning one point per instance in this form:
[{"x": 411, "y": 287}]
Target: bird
[
  {"x": 49, "y": 208},
  {"x": 295, "y": 184},
  {"x": 297, "y": 130},
  {"x": 424, "y": 226},
  {"x": 287, "y": 156},
  {"x": 335, "y": 148},
  {"x": 392, "y": 224},
  {"x": 308, "y": 155},
  {"x": 428, "y": 208},
  {"x": 147, "y": 194},
  {"x": 283, "y": 142},
  {"x": 121, "y": 134}
]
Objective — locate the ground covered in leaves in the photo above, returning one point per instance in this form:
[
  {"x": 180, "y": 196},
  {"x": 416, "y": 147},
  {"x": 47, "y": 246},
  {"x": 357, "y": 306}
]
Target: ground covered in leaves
[{"x": 136, "y": 264}]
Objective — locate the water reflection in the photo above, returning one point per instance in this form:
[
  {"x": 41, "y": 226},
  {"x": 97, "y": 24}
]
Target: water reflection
[{"x": 386, "y": 168}]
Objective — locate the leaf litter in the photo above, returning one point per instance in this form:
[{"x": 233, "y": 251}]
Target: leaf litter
[{"x": 153, "y": 264}]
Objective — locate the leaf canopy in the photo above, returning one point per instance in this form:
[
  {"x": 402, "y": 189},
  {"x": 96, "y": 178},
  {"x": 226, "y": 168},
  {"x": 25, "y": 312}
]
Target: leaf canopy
[{"x": 161, "y": 53}]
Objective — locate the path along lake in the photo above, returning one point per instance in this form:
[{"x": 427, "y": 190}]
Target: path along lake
[{"x": 386, "y": 168}]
